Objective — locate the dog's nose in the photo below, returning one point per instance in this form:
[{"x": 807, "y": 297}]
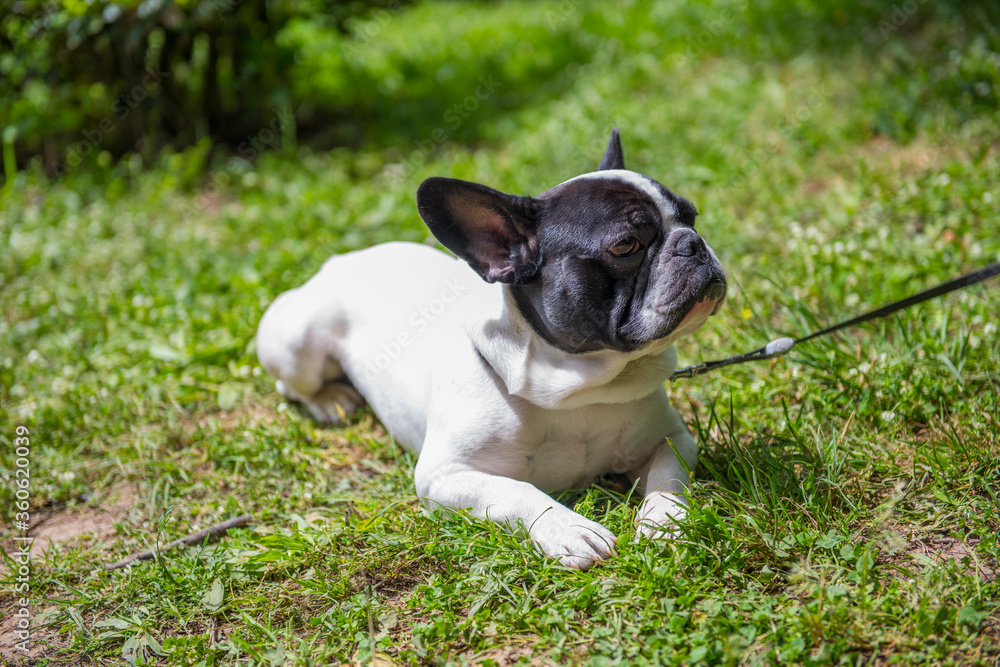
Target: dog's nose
[{"x": 685, "y": 243}]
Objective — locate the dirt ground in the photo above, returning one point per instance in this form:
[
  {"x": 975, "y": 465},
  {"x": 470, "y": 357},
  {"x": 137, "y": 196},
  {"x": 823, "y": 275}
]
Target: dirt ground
[{"x": 51, "y": 530}]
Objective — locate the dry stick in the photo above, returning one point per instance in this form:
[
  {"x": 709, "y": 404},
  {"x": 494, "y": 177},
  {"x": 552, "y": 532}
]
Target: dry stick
[{"x": 212, "y": 532}]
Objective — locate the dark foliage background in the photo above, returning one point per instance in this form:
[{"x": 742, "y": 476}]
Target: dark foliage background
[
  {"x": 80, "y": 79},
  {"x": 137, "y": 76}
]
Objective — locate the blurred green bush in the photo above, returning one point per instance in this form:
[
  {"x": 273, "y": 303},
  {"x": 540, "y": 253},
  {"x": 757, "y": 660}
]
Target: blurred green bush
[{"x": 83, "y": 76}]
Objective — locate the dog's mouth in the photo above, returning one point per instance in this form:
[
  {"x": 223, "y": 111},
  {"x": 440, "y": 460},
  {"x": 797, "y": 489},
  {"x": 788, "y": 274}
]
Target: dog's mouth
[
  {"x": 701, "y": 310},
  {"x": 681, "y": 318}
]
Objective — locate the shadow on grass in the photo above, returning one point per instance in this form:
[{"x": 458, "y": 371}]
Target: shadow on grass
[{"x": 416, "y": 96}]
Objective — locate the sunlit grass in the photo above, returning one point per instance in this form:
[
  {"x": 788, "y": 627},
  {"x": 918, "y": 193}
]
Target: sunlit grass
[{"x": 845, "y": 504}]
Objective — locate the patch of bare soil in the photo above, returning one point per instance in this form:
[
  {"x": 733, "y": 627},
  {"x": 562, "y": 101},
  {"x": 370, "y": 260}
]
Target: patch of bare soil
[
  {"x": 943, "y": 549},
  {"x": 41, "y": 642},
  {"x": 53, "y": 528},
  {"x": 230, "y": 420},
  {"x": 905, "y": 548},
  {"x": 77, "y": 524},
  {"x": 504, "y": 657}
]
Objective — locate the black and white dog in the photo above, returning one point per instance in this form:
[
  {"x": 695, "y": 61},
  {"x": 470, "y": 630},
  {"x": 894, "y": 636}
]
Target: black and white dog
[{"x": 534, "y": 363}]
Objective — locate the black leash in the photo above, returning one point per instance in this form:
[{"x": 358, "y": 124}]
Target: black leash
[{"x": 783, "y": 345}]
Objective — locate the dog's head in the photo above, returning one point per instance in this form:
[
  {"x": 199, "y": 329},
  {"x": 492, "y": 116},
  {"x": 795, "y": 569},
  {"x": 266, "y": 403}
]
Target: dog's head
[{"x": 606, "y": 260}]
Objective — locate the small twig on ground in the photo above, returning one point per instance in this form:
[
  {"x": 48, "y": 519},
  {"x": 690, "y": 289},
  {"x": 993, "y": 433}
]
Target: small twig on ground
[
  {"x": 210, "y": 533},
  {"x": 213, "y": 633}
]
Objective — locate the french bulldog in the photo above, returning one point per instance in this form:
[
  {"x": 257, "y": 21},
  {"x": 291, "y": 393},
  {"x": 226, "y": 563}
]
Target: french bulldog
[{"x": 533, "y": 363}]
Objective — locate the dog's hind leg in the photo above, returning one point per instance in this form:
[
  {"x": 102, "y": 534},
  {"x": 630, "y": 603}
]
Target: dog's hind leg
[{"x": 299, "y": 351}]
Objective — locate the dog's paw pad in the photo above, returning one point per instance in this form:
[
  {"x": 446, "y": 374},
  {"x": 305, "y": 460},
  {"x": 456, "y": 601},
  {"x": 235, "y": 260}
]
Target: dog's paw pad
[
  {"x": 659, "y": 515},
  {"x": 334, "y": 402}
]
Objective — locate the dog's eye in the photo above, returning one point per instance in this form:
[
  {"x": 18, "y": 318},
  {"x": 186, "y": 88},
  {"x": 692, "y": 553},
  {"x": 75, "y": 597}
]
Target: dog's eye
[{"x": 627, "y": 246}]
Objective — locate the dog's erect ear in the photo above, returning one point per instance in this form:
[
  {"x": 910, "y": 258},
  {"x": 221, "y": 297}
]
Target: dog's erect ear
[
  {"x": 496, "y": 233},
  {"x": 613, "y": 157}
]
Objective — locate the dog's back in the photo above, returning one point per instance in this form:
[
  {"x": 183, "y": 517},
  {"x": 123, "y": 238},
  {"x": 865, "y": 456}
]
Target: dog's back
[{"x": 366, "y": 317}]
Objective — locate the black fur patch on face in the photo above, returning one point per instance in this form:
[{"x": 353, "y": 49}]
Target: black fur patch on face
[{"x": 586, "y": 297}]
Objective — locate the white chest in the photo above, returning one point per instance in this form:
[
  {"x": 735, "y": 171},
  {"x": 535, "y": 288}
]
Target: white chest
[{"x": 562, "y": 449}]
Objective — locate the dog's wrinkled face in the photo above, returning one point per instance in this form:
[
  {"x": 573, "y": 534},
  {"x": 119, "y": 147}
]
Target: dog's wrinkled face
[
  {"x": 607, "y": 260},
  {"x": 623, "y": 265}
]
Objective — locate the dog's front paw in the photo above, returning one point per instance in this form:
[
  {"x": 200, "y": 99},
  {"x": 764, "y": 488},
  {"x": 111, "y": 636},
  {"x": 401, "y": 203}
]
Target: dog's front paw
[
  {"x": 575, "y": 541},
  {"x": 659, "y": 515}
]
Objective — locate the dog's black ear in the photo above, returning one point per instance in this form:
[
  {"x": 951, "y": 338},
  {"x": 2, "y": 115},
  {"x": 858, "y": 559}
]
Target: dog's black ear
[
  {"x": 496, "y": 233},
  {"x": 614, "y": 158}
]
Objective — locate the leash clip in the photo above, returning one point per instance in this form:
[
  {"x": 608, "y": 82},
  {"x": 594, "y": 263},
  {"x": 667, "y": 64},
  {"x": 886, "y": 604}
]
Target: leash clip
[{"x": 689, "y": 371}]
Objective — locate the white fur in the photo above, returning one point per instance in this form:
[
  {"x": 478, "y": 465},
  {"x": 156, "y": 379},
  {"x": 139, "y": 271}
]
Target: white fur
[
  {"x": 643, "y": 183},
  {"x": 498, "y": 416}
]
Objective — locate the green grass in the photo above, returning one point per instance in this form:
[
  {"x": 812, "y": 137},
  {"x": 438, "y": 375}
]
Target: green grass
[{"x": 845, "y": 506}]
